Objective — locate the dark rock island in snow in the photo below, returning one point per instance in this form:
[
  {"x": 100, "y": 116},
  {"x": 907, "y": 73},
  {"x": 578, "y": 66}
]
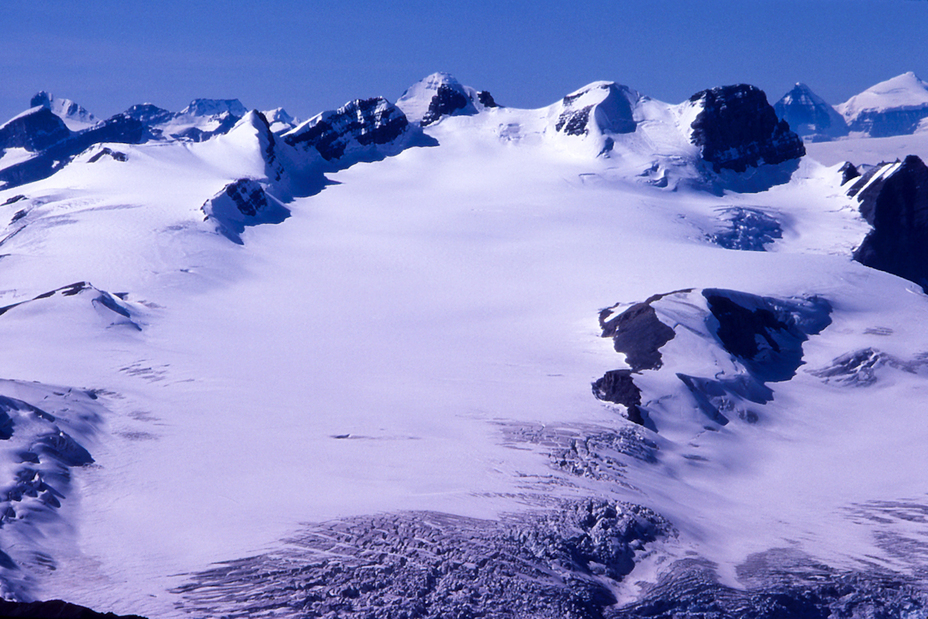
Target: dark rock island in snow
[{"x": 737, "y": 129}]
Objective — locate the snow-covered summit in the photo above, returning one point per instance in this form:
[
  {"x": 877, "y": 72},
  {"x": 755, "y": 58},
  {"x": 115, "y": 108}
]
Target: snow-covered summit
[
  {"x": 893, "y": 107},
  {"x": 600, "y": 107},
  {"x": 73, "y": 115},
  {"x": 809, "y": 115},
  {"x": 214, "y": 107},
  {"x": 440, "y": 94},
  {"x": 280, "y": 121}
]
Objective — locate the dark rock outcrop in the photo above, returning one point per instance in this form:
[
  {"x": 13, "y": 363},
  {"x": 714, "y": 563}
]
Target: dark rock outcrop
[
  {"x": 243, "y": 203},
  {"x": 764, "y": 333},
  {"x": 738, "y": 129},
  {"x": 885, "y": 123},
  {"x": 617, "y": 386},
  {"x": 34, "y": 130},
  {"x": 896, "y": 205},
  {"x": 809, "y": 115},
  {"x": 54, "y": 609},
  {"x": 606, "y": 105},
  {"x": 447, "y": 101},
  {"x": 637, "y": 333},
  {"x": 360, "y": 123},
  {"x": 486, "y": 99},
  {"x": 848, "y": 172}
]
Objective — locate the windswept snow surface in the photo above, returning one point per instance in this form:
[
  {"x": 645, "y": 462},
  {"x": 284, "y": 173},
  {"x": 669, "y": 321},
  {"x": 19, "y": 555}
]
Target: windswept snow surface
[{"x": 376, "y": 352}]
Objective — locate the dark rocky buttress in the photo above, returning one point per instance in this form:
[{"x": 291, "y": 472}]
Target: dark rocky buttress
[
  {"x": 365, "y": 121},
  {"x": 897, "y": 208},
  {"x": 737, "y": 128}
]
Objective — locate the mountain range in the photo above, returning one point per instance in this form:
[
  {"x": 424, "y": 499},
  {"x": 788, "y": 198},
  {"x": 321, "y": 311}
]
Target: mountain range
[{"x": 612, "y": 357}]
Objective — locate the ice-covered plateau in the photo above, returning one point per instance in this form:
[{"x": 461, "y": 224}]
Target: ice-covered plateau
[{"x": 612, "y": 357}]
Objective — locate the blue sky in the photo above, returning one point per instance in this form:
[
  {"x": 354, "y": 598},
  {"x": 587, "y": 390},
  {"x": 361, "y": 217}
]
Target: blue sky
[{"x": 310, "y": 56}]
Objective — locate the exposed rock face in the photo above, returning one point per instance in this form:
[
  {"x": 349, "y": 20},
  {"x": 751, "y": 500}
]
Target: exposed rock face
[
  {"x": 447, "y": 101},
  {"x": 896, "y": 205},
  {"x": 617, "y": 386},
  {"x": 764, "y": 333},
  {"x": 440, "y": 95},
  {"x": 34, "y": 130},
  {"x": 243, "y": 203},
  {"x": 809, "y": 115},
  {"x": 561, "y": 562},
  {"x": 637, "y": 333},
  {"x": 737, "y": 129},
  {"x": 352, "y": 127},
  {"x": 601, "y": 107},
  {"x": 759, "y": 339}
]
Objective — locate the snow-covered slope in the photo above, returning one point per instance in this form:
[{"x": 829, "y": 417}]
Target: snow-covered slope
[
  {"x": 895, "y": 107},
  {"x": 364, "y": 368}
]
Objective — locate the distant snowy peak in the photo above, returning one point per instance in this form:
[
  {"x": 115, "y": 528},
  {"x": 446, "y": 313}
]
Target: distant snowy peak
[
  {"x": 214, "y": 107},
  {"x": 809, "y": 115},
  {"x": 149, "y": 114},
  {"x": 73, "y": 115},
  {"x": 737, "y": 128},
  {"x": 440, "y": 95},
  {"x": 361, "y": 130},
  {"x": 893, "y": 107},
  {"x": 199, "y": 121},
  {"x": 601, "y": 107},
  {"x": 280, "y": 121}
]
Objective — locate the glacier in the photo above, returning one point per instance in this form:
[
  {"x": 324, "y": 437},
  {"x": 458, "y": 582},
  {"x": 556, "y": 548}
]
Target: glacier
[{"x": 357, "y": 366}]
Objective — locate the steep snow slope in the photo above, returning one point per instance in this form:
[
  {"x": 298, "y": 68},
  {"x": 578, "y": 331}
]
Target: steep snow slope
[{"x": 423, "y": 335}]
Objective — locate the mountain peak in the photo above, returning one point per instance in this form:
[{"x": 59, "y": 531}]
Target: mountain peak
[
  {"x": 439, "y": 95},
  {"x": 605, "y": 107},
  {"x": 73, "y": 115},
  {"x": 892, "y": 107},
  {"x": 214, "y": 107},
  {"x": 809, "y": 115}
]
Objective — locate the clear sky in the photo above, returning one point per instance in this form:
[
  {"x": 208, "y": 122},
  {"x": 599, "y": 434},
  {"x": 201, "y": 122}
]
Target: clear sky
[{"x": 310, "y": 56}]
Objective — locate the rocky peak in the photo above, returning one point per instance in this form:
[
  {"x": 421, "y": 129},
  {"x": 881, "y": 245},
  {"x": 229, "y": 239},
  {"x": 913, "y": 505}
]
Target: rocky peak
[
  {"x": 440, "y": 95},
  {"x": 214, "y": 107},
  {"x": 242, "y": 203},
  {"x": 358, "y": 125},
  {"x": 894, "y": 107},
  {"x": 809, "y": 115},
  {"x": 895, "y": 202},
  {"x": 35, "y": 130},
  {"x": 601, "y": 107},
  {"x": 73, "y": 115},
  {"x": 737, "y": 128}
]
